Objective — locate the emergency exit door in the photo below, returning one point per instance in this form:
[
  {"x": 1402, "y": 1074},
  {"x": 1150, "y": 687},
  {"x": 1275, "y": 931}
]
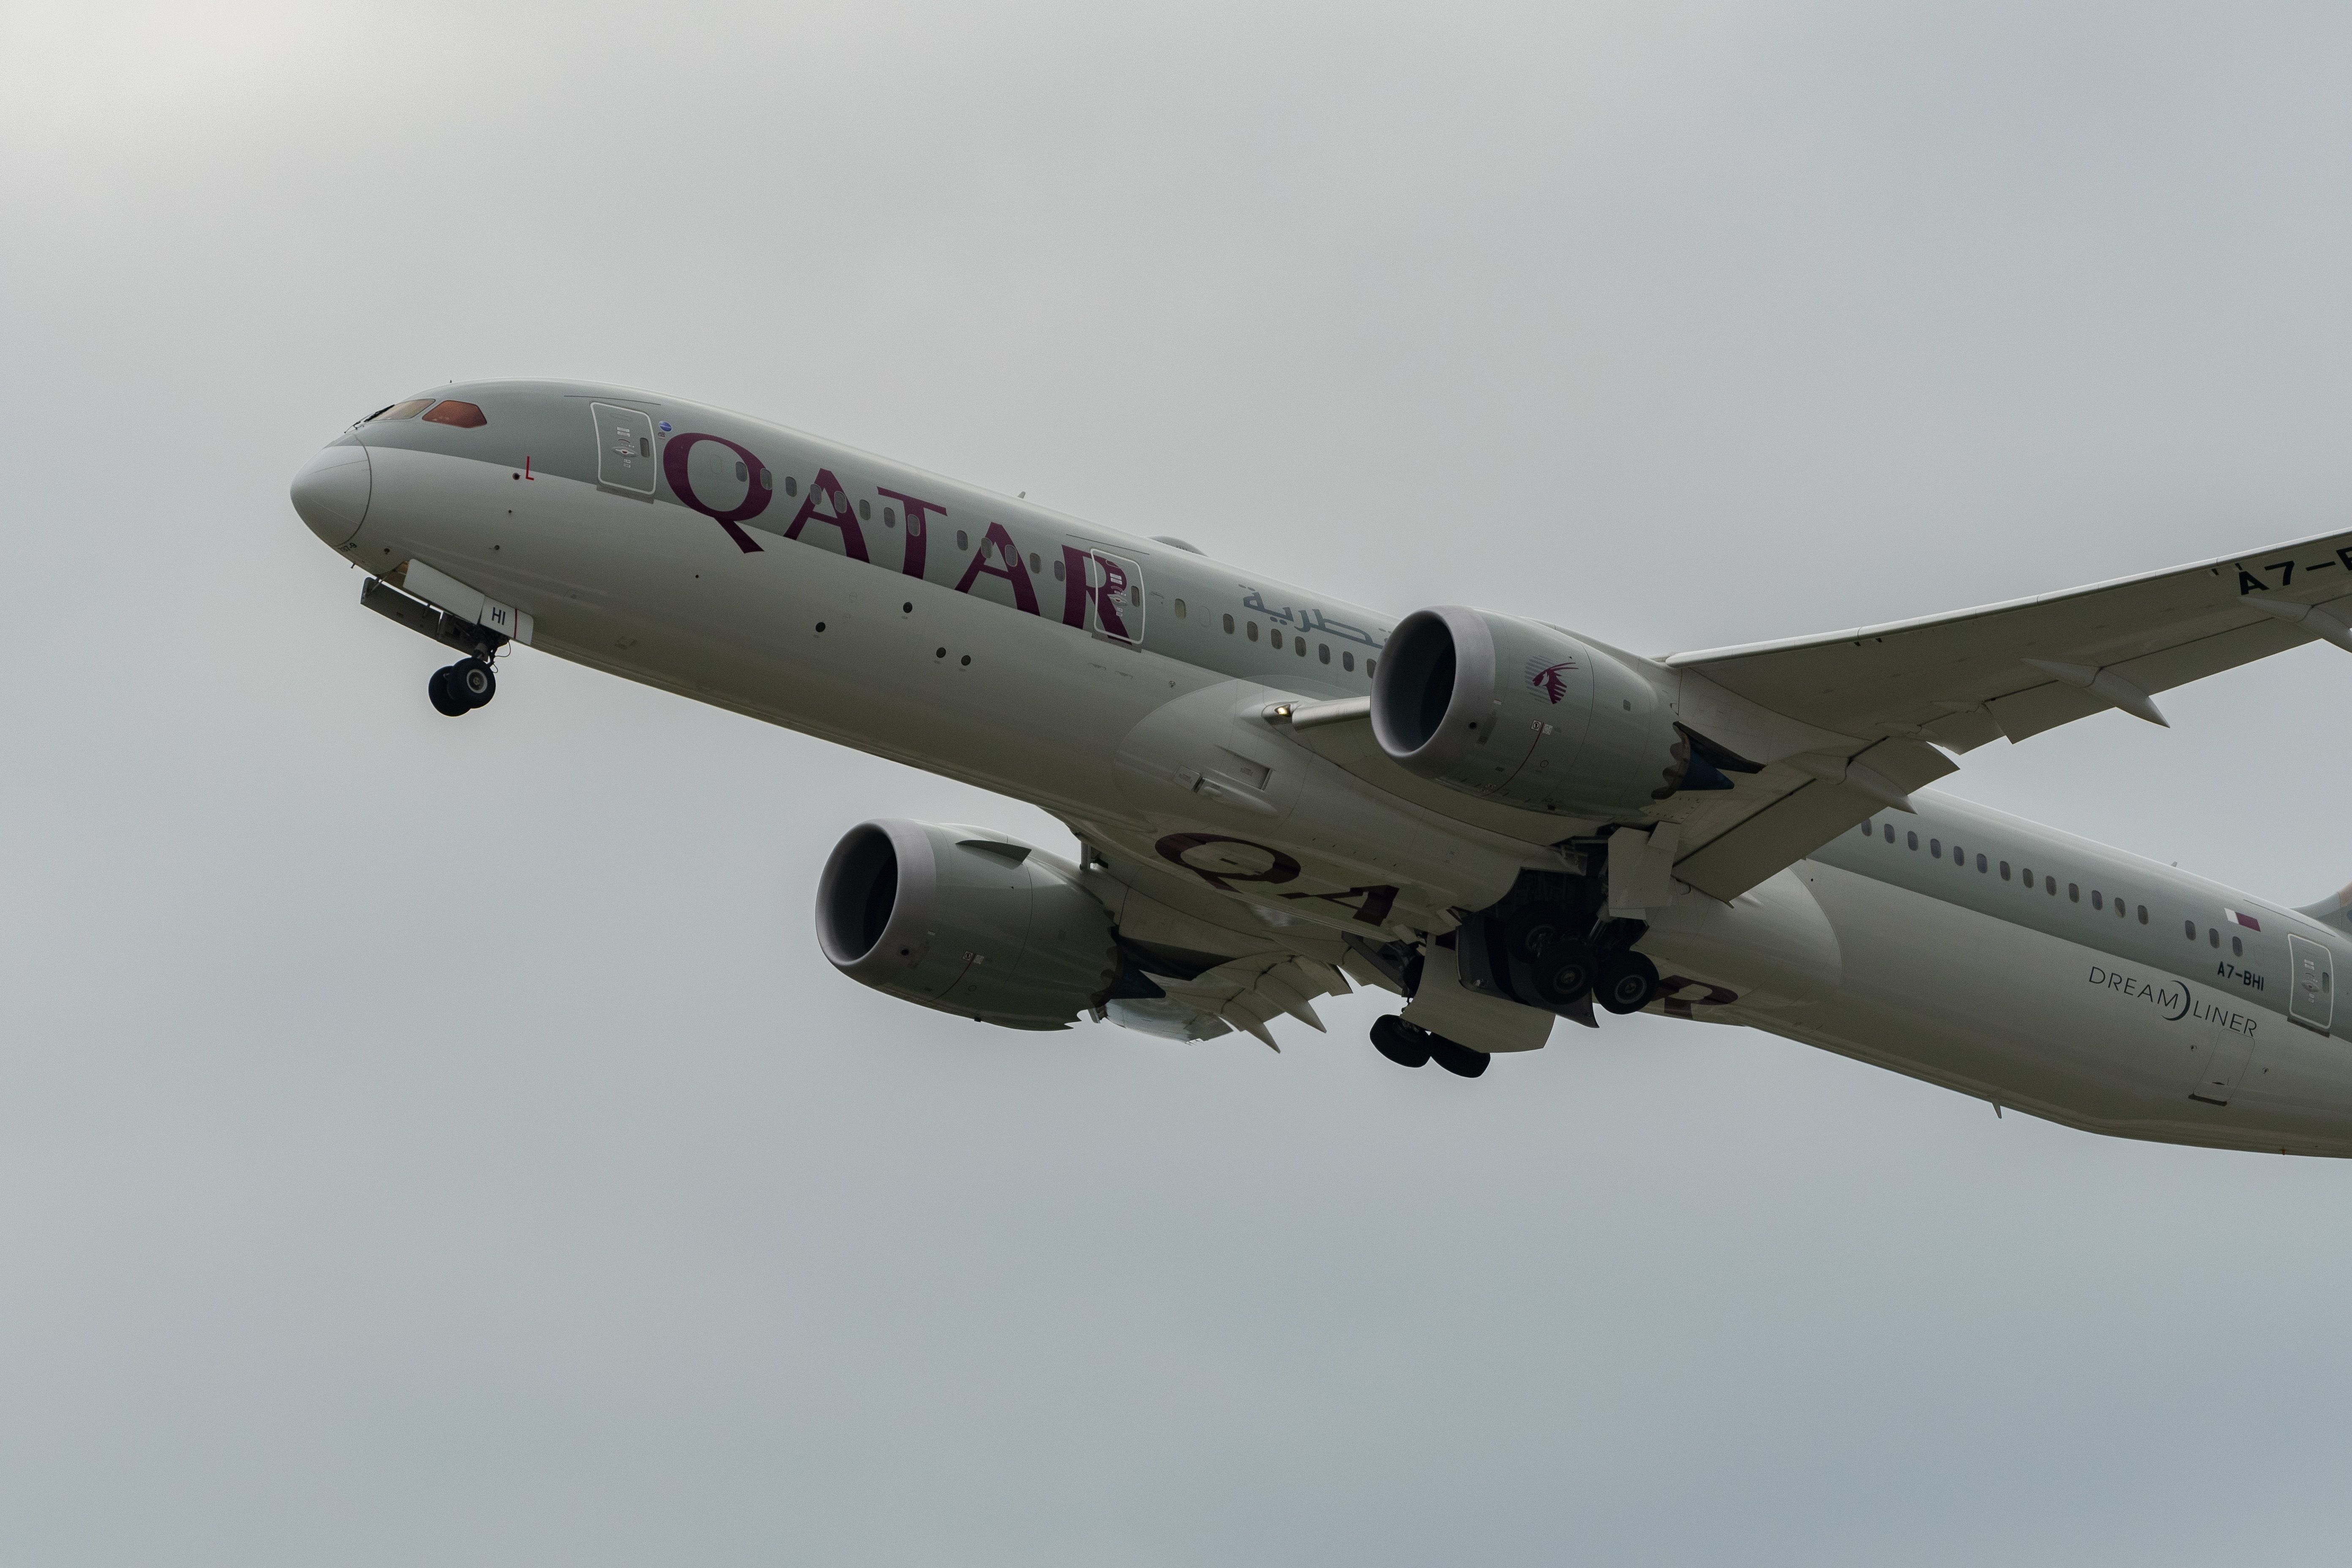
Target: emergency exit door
[{"x": 2311, "y": 987}]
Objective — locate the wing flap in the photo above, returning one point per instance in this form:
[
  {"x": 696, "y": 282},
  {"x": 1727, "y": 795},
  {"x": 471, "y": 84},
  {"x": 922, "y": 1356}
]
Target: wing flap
[{"x": 1806, "y": 818}]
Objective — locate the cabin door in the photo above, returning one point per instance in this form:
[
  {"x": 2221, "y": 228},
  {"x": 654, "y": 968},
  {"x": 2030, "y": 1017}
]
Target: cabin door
[
  {"x": 1115, "y": 598},
  {"x": 625, "y": 449},
  {"x": 2311, "y": 985}
]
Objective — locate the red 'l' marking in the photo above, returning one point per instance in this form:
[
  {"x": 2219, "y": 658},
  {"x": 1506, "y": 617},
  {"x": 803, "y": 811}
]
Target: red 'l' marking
[{"x": 526, "y": 471}]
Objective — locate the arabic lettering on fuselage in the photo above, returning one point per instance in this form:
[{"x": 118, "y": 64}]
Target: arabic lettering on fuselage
[{"x": 1308, "y": 620}]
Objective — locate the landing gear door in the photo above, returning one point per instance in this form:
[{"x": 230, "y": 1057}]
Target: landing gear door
[
  {"x": 2311, "y": 987},
  {"x": 625, "y": 449},
  {"x": 1115, "y": 598}
]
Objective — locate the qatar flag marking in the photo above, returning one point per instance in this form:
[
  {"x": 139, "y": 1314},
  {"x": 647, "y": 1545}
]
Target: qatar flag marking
[{"x": 2246, "y": 921}]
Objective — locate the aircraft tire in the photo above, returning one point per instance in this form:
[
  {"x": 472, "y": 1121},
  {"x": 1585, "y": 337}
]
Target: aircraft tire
[
  {"x": 1400, "y": 1041},
  {"x": 474, "y": 681},
  {"x": 1459, "y": 1060},
  {"x": 1628, "y": 982},
  {"x": 1527, "y": 932},
  {"x": 446, "y": 699},
  {"x": 1562, "y": 972}
]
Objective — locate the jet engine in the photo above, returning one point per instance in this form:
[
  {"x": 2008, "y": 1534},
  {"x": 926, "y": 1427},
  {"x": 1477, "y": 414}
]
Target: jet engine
[
  {"x": 965, "y": 920},
  {"x": 1522, "y": 712}
]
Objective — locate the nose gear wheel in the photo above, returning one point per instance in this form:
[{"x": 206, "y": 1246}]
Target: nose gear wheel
[{"x": 459, "y": 689}]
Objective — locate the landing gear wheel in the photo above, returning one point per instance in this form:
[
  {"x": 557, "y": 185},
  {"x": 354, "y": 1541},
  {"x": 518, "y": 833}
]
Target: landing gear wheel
[
  {"x": 1400, "y": 1041},
  {"x": 1562, "y": 972},
  {"x": 1628, "y": 982},
  {"x": 1528, "y": 931},
  {"x": 1459, "y": 1060},
  {"x": 475, "y": 681},
  {"x": 446, "y": 699}
]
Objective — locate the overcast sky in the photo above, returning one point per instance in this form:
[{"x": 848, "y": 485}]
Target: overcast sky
[{"x": 429, "y": 1141}]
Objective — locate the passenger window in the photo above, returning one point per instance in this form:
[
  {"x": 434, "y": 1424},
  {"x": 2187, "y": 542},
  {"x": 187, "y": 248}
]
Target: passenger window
[
  {"x": 1915, "y": 840},
  {"x": 1980, "y": 862},
  {"x": 2051, "y": 883},
  {"x": 866, "y": 511},
  {"x": 1868, "y": 830},
  {"x": 2026, "y": 875},
  {"x": 963, "y": 539},
  {"x": 1935, "y": 847},
  {"x": 742, "y": 474},
  {"x": 1180, "y": 604},
  {"x": 1275, "y": 633},
  {"x": 793, "y": 488},
  {"x": 1298, "y": 645},
  {"x": 768, "y": 482},
  {"x": 2191, "y": 927},
  {"x": 2143, "y": 914},
  {"x": 2213, "y": 934},
  {"x": 1253, "y": 631},
  {"x": 2120, "y": 909},
  {"x": 1229, "y": 620},
  {"x": 1372, "y": 665},
  {"x": 1347, "y": 660},
  {"x": 1037, "y": 565},
  {"x": 2004, "y": 872},
  {"x": 2074, "y": 893},
  {"x": 1323, "y": 653},
  {"x": 2096, "y": 902},
  {"x": 408, "y": 410},
  {"x": 889, "y": 513},
  {"x": 1890, "y": 833},
  {"x": 1057, "y": 577},
  {"x": 463, "y": 416},
  {"x": 2237, "y": 947}
]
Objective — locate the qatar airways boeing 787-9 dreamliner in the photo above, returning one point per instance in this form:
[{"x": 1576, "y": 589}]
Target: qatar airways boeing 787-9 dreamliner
[{"x": 1274, "y": 793}]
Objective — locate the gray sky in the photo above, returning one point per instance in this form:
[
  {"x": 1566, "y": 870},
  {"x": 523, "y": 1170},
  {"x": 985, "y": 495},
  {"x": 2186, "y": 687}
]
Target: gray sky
[{"x": 443, "y": 1143}]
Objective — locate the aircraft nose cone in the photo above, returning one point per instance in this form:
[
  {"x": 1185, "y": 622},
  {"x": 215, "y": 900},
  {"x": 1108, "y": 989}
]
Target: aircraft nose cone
[{"x": 331, "y": 493}]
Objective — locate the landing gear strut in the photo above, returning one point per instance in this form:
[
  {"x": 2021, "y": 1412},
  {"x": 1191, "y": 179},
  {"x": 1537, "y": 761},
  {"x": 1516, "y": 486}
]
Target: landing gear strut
[
  {"x": 1410, "y": 1045},
  {"x": 462, "y": 687}
]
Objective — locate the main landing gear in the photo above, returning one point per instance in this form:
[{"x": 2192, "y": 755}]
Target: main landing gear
[
  {"x": 1628, "y": 980},
  {"x": 1410, "y": 1045},
  {"x": 460, "y": 687}
]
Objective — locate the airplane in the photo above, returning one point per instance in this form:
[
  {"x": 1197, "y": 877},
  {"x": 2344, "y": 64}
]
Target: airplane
[{"x": 1278, "y": 796}]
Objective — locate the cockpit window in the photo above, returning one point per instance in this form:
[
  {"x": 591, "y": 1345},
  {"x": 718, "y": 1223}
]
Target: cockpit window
[
  {"x": 408, "y": 410},
  {"x": 464, "y": 415}
]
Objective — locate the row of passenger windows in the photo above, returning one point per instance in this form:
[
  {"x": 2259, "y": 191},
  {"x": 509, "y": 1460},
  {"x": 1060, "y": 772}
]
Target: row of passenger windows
[
  {"x": 1134, "y": 594},
  {"x": 1322, "y": 650},
  {"x": 2099, "y": 900}
]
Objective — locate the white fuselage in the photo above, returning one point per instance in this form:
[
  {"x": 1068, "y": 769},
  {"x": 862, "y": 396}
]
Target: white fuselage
[{"x": 1124, "y": 696}]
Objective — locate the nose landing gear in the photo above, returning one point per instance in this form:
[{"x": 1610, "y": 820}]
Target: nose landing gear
[{"x": 460, "y": 687}]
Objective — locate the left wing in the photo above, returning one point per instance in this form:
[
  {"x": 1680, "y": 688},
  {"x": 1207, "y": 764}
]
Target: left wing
[{"x": 1901, "y": 691}]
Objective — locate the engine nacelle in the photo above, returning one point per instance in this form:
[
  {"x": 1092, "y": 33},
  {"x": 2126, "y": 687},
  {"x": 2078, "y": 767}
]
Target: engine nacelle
[
  {"x": 966, "y": 922},
  {"x": 1518, "y": 711}
]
